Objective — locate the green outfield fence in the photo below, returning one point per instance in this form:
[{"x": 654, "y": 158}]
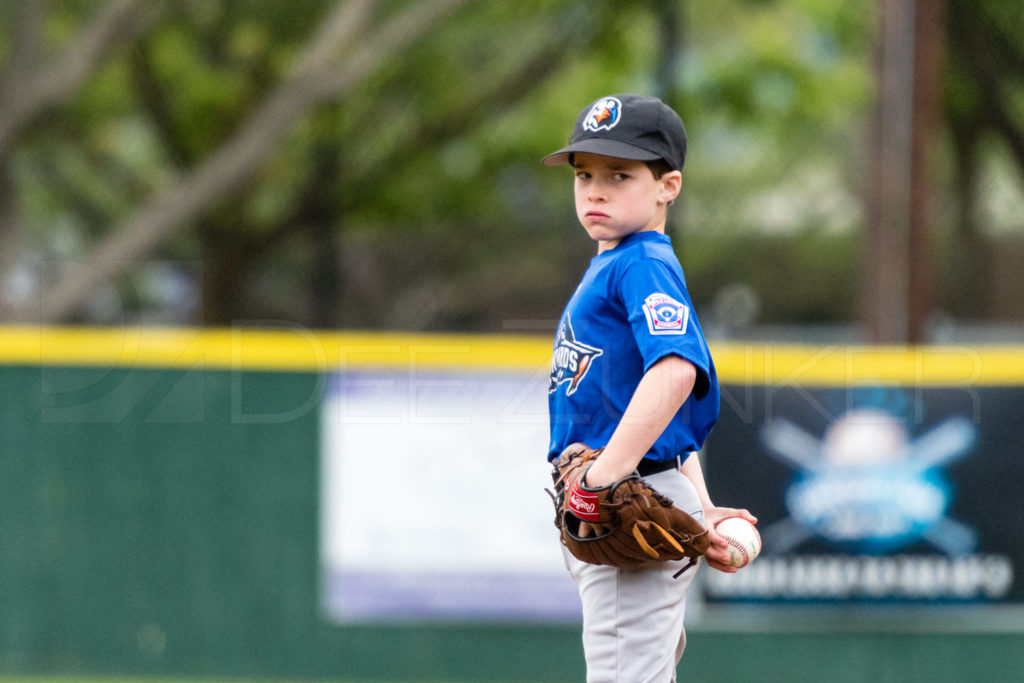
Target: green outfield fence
[{"x": 159, "y": 496}]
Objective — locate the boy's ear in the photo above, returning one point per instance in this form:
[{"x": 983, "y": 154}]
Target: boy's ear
[{"x": 671, "y": 183}]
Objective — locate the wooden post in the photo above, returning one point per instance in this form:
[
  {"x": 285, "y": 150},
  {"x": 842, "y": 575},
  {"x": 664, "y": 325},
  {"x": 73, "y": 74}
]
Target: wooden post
[
  {"x": 900, "y": 213},
  {"x": 929, "y": 58}
]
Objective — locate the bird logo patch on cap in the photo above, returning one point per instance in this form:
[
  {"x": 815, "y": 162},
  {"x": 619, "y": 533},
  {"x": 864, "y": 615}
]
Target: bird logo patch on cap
[{"x": 603, "y": 115}]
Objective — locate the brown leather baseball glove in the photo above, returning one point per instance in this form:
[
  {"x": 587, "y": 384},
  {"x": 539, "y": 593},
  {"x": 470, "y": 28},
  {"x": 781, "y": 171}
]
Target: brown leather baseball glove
[{"x": 626, "y": 524}]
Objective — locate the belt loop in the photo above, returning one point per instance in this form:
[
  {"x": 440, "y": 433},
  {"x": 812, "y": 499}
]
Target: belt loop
[{"x": 679, "y": 462}]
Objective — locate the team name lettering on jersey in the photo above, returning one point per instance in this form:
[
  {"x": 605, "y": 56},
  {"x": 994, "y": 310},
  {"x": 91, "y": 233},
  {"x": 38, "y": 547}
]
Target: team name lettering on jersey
[
  {"x": 570, "y": 360},
  {"x": 665, "y": 315}
]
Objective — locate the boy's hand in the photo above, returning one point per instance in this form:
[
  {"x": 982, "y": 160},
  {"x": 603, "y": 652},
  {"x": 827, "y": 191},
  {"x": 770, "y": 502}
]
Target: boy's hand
[
  {"x": 625, "y": 524},
  {"x": 603, "y": 473},
  {"x": 572, "y": 465},
  {"x": 718, "y": 554},
  {"x": 599, "y": 475}
]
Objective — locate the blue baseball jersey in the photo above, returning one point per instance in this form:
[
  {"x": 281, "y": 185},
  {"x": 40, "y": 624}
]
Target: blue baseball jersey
[{"x": 630, "y": 310}]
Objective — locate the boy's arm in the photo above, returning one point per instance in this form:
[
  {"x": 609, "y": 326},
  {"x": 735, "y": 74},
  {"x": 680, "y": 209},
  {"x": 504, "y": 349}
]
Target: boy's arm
[
  {"x": 718, "y": 553},
  {"x": 658, "y": 397}
]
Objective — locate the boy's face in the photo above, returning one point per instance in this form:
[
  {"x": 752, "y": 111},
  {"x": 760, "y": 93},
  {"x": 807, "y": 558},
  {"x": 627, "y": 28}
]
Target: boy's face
[{"x": 618, "y": 197}]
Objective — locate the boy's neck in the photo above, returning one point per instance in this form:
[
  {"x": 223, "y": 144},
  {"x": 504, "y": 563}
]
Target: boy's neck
[{"x": 605, "y": 245}]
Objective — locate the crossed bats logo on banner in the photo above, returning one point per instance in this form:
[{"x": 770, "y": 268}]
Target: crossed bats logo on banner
[{"x": 866, "y": 483}]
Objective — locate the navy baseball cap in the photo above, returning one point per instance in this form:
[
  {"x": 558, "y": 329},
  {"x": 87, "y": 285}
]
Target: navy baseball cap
[{"x": 627, "y": 127}]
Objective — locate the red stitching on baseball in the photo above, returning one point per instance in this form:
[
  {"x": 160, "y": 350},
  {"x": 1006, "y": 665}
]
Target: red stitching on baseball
[{"x": 739, "y": 546}]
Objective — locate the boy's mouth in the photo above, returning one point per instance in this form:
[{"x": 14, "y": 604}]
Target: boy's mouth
[{"x": 596, "y": 214}]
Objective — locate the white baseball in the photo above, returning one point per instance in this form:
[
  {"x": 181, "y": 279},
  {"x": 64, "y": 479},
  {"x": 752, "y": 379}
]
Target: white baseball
[{"x": 743, "y": 539}]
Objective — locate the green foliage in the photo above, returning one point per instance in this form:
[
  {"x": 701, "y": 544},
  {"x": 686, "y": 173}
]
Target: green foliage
[
  {"x": 426, "y": 179},
  {"x": 777, "y": 269}
]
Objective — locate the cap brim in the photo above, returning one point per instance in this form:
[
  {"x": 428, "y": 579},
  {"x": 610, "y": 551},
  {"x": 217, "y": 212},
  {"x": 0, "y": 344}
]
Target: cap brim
[{"x": 603, "y": 147}]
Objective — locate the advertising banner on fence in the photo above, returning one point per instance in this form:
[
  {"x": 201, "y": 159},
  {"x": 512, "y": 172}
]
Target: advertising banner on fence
[
  {"x": 433, "y": 502},
  {"x": 874, "y": 484},
  {"x": 873, "y": 494}
]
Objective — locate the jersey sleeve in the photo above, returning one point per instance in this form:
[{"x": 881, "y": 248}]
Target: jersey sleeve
[{"x": 662, "y": 319}]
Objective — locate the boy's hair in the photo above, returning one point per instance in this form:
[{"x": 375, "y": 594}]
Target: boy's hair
[{"x": 659, "y": 167}]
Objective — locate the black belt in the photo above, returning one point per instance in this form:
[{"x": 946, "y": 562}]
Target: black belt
[{"x": 648, "y": 467}]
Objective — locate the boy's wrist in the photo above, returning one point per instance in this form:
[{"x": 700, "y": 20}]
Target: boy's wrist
[{"x": 605, "y": 471}]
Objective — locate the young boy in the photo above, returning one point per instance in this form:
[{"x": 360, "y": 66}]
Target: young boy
[{"x": 632, "y": 373}]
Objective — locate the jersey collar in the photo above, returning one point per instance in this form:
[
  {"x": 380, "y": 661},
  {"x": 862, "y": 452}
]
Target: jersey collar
[{"x": 638, "y": 237}]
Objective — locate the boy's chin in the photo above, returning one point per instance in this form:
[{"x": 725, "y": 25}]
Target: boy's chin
[{"x": 600, "y": 234}]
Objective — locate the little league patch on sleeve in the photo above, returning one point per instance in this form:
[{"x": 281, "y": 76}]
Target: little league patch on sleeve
[{"x": 665, "y": 315}]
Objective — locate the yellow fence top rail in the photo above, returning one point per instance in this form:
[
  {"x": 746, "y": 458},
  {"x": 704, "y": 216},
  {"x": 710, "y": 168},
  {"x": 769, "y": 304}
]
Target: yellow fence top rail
[{"x": 297, "y": 349}]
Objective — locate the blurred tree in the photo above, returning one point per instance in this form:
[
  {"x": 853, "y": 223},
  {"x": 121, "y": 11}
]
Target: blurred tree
[
  {"x": 985, "y": 114},
  {"x": 778, "y": 97},
  {"x": 375, "y": 164},
  {"x": 34, "y": 84},
  {"x": 227, "y": 119},
  {"x": 349, "y": 45}
]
